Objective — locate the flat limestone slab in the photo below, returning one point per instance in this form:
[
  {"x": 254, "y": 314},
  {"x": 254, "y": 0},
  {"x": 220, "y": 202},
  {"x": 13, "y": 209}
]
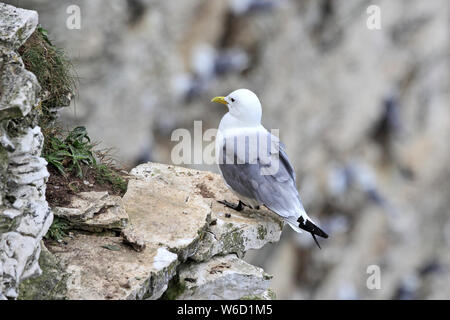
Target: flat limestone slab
[
  {"x": 94, "y": 211},
  {"x": 162, "y": 215},
  {"x": 229, "y": 231},
  {"x": 102, "y": 267}
]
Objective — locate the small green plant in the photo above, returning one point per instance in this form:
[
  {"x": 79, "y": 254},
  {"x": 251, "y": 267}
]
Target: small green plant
[
  {"x": 58, "y": 230},
  {"x": 75, "y": 154},
  {"x": 70, "y": 154},
  {"x": 106, "y": 175},
  {"x": 52, "y": 69}
]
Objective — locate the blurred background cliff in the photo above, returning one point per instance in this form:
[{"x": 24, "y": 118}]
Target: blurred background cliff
[{"x": 365, "y": 116}]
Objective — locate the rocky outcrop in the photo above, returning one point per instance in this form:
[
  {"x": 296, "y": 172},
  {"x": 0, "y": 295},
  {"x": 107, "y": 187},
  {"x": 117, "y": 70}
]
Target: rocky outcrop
[
  {"x": 24, "y": 213},
  {"x": 363, "y": 113},
  {"x": 168, "y": 226},
  {"x": 226, "y": 231},
  {"x": 222, "y": 277},
  {"x": 176, "y": 230},
  {"x": 85, "y": 208}
]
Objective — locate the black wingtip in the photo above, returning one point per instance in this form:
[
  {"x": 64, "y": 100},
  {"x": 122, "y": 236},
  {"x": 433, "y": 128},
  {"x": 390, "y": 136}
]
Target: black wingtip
[{"x": 312, "y": 228}]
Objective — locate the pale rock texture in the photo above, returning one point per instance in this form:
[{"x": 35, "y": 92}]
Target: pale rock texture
[
  {"x": 16, "y": 25},
  {"x": 323, "y": 78},
  {"x": 229, "y": 231},
  {"x": 24, "y": 213},
  {"x": 222, "y": 277},
  {"x": 130, "y": 247},
  {"x": 94, "y": 211},
  {"x": 172, "y": 213}
]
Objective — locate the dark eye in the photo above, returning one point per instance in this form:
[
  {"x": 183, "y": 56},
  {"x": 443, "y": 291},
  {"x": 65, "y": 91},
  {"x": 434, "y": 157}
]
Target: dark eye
[{"x": 232, "y": 100}]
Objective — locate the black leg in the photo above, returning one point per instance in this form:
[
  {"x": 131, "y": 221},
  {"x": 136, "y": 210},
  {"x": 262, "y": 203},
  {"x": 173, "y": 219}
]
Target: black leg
[
  {"x": 315, "y": 240},
  {"x": 237, "y": 207}
]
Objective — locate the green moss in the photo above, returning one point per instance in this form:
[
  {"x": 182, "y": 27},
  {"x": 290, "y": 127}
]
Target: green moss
[
  {"x": 10, "y": 113},
  {"x": 4, "y": 224},
  {"x": 16, "y": 127},
  {"x": 267, "y": 295},
  {"x": 233, "y": 241},
  {"x": 159, "y": 279},
  {"x": 267, "y": 276},
  {"x": 262, "y": 232},
  {"x": 3, "y": 169},
  {"x": 51, "y": 285},
  {"x": 271, "y": 294},
  {"x": 252, "y": 297},
  {"x": 175, "y": 288}
]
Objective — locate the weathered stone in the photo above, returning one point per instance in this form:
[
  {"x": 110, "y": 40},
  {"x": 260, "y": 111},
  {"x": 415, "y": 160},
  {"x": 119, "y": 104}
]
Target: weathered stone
[
  {"x": 326, "y": 50},
  {"x": 229, "y": 231},
  {"x": 269, "y": 294},
  {"x": 130, "y": 238},
  {"x": 96, "y": 272},
  {"x": 170, "y": 221},
  {"x": 19, "y": 88},
  {"x": 238, "y": 232},
  {"x": 94, "y": 211},
  {"x": 24, "y": 213},
  {"x": 5, "y": 141},
  {"x": 52, "y": 284},
  {"x": 160, "y": 213},
  {"x": 16, "y": 25},
  {"x": 222, "y": 277}
]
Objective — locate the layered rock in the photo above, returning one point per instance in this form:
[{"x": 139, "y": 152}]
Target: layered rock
[
  {"x": 176, "y": 228},
  {"x": 364, "y": 115},
  {"x": 24, "y": 213},
  {"x": 222, "y": 277},
  {"x": 94, "y": 211}
]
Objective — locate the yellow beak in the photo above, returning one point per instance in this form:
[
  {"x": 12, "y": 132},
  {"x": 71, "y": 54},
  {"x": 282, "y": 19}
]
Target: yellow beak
[{"x": 219, "y": 100}]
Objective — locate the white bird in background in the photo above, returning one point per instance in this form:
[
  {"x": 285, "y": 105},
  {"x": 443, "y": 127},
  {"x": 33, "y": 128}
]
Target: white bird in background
[{"x": 258, "y": 174}]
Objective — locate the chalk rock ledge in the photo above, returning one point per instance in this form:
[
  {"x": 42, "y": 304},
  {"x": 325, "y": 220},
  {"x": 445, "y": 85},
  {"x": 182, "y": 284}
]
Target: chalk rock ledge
[
  {"x": 24, "y": 213},
  {"x": 94, "y": 211},
  {"x": 172, "y": 213},
  {"x": 222, "y": 277}
]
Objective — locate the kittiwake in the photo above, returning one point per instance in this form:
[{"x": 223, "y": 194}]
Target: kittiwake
[{"x": 254, "y": 163}]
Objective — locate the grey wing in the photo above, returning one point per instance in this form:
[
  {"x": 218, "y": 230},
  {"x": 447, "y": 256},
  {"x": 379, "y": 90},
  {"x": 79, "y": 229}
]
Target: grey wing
[{"x": 271, "y": 183}]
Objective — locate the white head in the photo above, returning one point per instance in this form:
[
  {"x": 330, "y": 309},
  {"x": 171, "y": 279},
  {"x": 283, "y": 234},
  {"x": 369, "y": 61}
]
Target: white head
[{"x": 243, "y": 105}]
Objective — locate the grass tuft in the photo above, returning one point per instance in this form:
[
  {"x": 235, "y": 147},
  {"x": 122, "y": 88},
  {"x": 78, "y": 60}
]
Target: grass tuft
[
  {"x": 74, "y": 154},
  {"x": 106, "y": 175},
  {"x": 53, "y": 70},
  {"x": 73, "y": 162}
]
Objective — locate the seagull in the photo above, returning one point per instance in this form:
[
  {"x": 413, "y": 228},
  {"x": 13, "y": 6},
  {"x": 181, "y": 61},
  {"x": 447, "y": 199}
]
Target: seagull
[{"x": 254, "y": 163}]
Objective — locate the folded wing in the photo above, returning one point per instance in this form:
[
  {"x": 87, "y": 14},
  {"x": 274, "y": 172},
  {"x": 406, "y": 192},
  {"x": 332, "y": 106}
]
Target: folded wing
[{"x": 261, "y": 170}]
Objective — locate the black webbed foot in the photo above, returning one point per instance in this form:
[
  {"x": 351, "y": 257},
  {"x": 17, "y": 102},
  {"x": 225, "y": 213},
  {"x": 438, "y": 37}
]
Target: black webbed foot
[{"x": 237, "y": 207}]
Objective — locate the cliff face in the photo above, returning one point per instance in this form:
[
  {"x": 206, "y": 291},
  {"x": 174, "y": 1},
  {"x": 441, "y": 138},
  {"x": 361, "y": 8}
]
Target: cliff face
[
  {"x": 174, "y": 241},
  {"x": 166, "y": 236},
  {"x": 364, "y": 115},
  {"x": 24, "y": 213}
]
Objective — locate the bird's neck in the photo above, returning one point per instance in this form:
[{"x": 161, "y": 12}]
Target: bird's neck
[{"x": 231, "y": 122}]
